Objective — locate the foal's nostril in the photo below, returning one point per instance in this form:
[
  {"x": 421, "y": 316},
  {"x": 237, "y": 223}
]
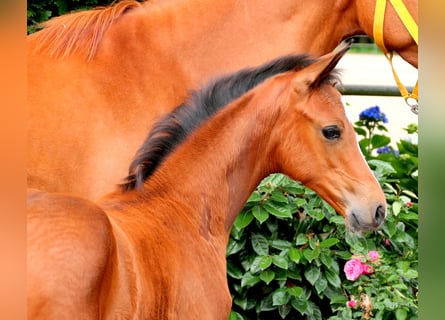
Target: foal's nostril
[{"x": 380, "y": 215}]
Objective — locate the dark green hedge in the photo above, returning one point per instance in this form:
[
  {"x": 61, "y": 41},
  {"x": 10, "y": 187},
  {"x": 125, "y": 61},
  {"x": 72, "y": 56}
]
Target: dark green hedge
[{"x": 42, "y": 10}]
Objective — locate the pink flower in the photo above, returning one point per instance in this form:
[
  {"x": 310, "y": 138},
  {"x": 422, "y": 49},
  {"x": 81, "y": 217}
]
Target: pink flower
[
  {"x": 352, "y": 303},
  {"x": 409, "y": 204},
  {"x": 367, "y": 269},
  {"x": 353, "y": 269},
  {"x": 387, "y": 242},
  {"x": 373, "y": 255}
]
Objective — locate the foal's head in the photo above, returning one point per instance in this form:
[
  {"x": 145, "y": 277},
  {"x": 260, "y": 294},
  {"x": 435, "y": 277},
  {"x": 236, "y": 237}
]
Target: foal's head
[{"x": 318, "y": 146}]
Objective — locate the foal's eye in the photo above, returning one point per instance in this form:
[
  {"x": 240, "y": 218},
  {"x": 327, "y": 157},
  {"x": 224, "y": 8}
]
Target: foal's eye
[{"x": 331, "y": 132}]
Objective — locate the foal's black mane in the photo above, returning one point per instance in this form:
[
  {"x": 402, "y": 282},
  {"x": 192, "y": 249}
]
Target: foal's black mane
[{"x": 171, "y": 130}]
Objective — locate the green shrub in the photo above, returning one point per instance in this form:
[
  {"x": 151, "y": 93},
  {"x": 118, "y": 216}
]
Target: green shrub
[{"x": 288, "y": 248}]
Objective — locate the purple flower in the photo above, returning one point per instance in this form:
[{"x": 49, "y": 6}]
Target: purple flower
[
  {"x": 373, "y": 114},
  {"x": 385, "y": 149},
  {"x": 388, "y": 150}
]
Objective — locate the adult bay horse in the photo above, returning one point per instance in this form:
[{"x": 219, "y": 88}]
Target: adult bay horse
[
  {"x": 155, "y": 248},
  {"x": 98, "y": 79}
]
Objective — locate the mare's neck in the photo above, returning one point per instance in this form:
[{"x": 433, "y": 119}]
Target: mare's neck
[{"x": 222, "y": 36}]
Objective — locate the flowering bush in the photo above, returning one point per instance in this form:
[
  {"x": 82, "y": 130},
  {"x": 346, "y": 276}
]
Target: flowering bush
[
  {"x": 290, "y": 256},
  {"x": 381, "y": 287}
]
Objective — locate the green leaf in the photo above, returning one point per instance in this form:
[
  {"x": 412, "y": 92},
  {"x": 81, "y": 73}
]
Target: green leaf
[
  {"x": 403, "y": 237},
  {"x": 333, "y": 278},
  {"x": 294, "y": 254},
  {"x": 320, "y": 285},
  {"x": 249, "y": 280},
  {"x": 399, "y": 286},
  {"x": 280, "y": 297},
  {"x": 235, "y": 316},
  {"x": 411, "y": 273},
  {"x": 284, "y": 310},
  {"x": 378, "y": 140},
  {"x": 360, "y": 131},
  {"x": 278, "y": 211},
  {"x": 234, "y": 272},
  {"x": 278, "y": 197},
  {"x": 255, "y": 266},
  {"x": 243, "y": 220},
  {"x": 410, "y": 194},
  {"x": 312, "y": 274},
  {"x": 313, "y": 243},
  {"x": 235, "y": 246},
  {"x": 316, "y": 213},
  {"x": 390, "y": 228},
  {"x": 339, "y": 298},
  {"x": 260, "y": 213},
  {"x": 267, "y": 304},
  {"x": 396, "y": 206},
  {"x": 241, "y": 302},
  {"x": 280, "y": 244},
  {"x": 299, "y": 304},
  {"x": 364, "y": 143},
  {"x": 329, "y": 242},
  {"x": 403, "y": 264},
  {"x": 281, "y": 274},
  {"x": 295, "y": 291},
  {"x": 337, "y": 220},
  {"x": 401, "y": 314},
  {"x": 260, "y": 244},
  {"x": 382, "y": 166},
  {"x": 280, "y": 262},
  {"x": 278, "y": 179},
  {"x": 267, "y": 276},
  {"x": 311, "y": 254},
  {"x": 255, "y": 197},
  {"x": 301, "y": 239},
  {"x": 63, "y": 7},
  {"x": 265, "y": 262},
  {"x": 300, "y": 202},
  {"x": 410, "y": 147},
  {"x": 325, "y": 258},
  {"x": 293, "y": 274}
]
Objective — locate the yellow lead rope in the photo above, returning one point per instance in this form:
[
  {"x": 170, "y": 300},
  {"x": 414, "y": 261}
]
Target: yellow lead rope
[{"x": 412, "y": 28}]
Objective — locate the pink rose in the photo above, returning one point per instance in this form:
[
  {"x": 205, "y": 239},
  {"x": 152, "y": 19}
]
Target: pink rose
[
  {"x": 352, "y": 303},
  {"x": 373, "y": 255},
  {"x": 353, "y": 269},
  {"x": 367, "y": 269}
]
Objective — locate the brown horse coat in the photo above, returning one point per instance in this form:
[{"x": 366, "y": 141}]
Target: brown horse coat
[
  {"x": 155, "y": 248},
  {"x": 97, "y": 80}
]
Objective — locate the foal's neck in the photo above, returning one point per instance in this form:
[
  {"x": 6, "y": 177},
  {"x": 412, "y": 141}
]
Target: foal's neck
[{"x": 218, "y": 166}]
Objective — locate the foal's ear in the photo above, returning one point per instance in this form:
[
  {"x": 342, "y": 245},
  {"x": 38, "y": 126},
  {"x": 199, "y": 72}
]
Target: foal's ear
[{"x": 313, "y": 75}]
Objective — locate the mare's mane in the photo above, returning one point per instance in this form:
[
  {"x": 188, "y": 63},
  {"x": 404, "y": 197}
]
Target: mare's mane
[
  {"x": 174, "y": 128},
  {"x": 80, "y": 31}
]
